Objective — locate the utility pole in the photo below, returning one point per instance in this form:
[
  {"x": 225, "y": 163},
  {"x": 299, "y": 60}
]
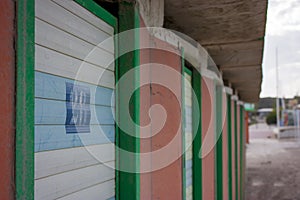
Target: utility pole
[{"x": 277, "y": 95}]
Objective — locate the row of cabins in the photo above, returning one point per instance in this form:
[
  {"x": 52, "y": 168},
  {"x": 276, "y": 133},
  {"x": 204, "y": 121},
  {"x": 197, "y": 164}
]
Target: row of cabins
[{"x": 88, "y": 115}]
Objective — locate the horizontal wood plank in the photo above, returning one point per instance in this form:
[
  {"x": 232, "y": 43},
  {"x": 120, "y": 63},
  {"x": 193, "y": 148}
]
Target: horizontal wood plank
[
  {"x": 105, "y": 190},
  {"x": 53, "y": 137},
  {"x": 48, "y": 86},
  {"x": 49, "y": 163},
  {"x": 53, "y": 38},
  {"x": 87, "y": 16},
  {"x": 59, "y": 17},
  {"x": 51, "y": 112},
  {"x": 60, "y": 185},
  {"x": 55, "y": 63}
]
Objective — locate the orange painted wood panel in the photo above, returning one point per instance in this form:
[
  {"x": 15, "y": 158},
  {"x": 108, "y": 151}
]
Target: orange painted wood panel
[
  {"x": 7, "y": 106},
  {"x": 225, "y": 148},
  {"x": 208, "y": 139},
  {"x": 161, "y": 147}
]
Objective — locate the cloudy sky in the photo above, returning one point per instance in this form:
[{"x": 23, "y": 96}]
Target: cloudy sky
[{"x": 283, "y": 32}]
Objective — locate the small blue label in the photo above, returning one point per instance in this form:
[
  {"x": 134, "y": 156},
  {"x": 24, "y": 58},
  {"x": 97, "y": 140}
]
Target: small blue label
[{"x": 78, "y": 108}]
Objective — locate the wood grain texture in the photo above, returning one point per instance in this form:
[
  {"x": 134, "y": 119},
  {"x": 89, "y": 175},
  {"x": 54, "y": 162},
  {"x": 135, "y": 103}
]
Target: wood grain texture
[
  {"x": 49, "y": 163},
  {"x": 188, "y": 136},
  {"x": 53, "y": 62},
  {"x": 67, "y": 21},
  {"x": 63, "y": 42},
  {"x": 51, "y": 137},
  {"x": 76, "y": 9},
  {"x": 7, "y": 106},
  {"x": 73, "y": 165},
  {"x": 53, "y": 87},
  {"x": 51, "y": 112},
  {"x": 60, "y": 185},
  {"x": 102, "y": 191}
]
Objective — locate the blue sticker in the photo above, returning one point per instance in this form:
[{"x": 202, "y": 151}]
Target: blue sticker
[{"x": 78, "y": 108}]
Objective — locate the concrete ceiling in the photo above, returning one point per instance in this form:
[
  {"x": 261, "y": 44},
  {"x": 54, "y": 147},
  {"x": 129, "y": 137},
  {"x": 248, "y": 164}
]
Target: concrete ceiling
[{"x": 232, "y": 31}]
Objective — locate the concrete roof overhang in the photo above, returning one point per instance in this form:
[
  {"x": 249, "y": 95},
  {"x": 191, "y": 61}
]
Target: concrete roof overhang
[{"x": 232, "y": 31}]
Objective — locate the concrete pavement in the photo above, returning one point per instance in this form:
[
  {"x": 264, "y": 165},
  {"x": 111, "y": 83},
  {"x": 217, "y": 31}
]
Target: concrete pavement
[{"x": 273, "y": 166}]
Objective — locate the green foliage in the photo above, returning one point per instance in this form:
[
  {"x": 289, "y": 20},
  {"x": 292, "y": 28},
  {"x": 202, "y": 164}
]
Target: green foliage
[{"x": 271, "y": 118}]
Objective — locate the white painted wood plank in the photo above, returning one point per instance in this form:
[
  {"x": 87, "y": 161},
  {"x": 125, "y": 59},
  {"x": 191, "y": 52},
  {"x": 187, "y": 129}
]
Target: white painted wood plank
[
  {"x": 60, "y": 185},
  {"x": 189, "y": 193},
  {"x": 54, "y": 162},
  {"x": 56, "y": 39},
  {"x": 89, "y": 17},
  {"x": 67, "y": 21},
  {"x": 52, "y": 62},
  {"x": 102, "y": 191}
]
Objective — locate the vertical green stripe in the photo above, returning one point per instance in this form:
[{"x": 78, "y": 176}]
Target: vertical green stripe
[
  {"x": 236, "y": 150},
  {"x": 197, "y": 131},
  {"x": 219, "y": 150},
  {"x": 137, "y": 96},
  {"x": 25, "y": 101},
  {"x": 241, "y": 150},
  {"x": 129, "y": 183},
  {"x": 229, "y": 147}
]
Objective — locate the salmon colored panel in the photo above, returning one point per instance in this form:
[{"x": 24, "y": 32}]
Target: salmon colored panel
[
  {"x": 145, "y": 142},
  {"x": 208, "y": 137},
  {"x": 7, "y": 87},
  {"x": 225, "y": 149},
  {"x": 161, "y": 176},
  {"x": 166, "y": 182}
]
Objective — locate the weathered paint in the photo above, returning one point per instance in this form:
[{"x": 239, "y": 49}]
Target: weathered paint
[
  {"x": 187, "y": 134},
  {"x": 128, "y": 184},
  {"x": 145, "y": 92},
  {"x": 208, "y": 137},
  {"x": 7, "y": 109},
  {"x": 167, "y": 182},
  {"x": 24, "y": 170},
  {"x": 67, "y": 120}
]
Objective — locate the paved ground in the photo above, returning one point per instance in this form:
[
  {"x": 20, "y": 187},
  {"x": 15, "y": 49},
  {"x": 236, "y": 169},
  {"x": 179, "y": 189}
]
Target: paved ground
[{"x": 273, "y": 166}]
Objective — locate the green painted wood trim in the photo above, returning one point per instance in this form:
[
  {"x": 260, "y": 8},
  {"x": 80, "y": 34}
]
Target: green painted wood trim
[
  {"x": 183, "y": 69},
  {"x": 128, "y": 183},
  {"x": 197, "y": 131},
  {"x": 236, "y": 150},
  {"x": 229, "y": 130},
  {"x": 116, "y": 113},
  {"x": 219, "y": 144},
  {"x": 25, "y": 100},
  {"x": 137, "y": 96},
  {"x": 241, "y": 151},
  {"x": 98, "y": 11}
]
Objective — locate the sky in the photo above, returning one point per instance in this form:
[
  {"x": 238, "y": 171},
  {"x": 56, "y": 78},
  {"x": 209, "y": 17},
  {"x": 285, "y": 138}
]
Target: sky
[{"x": 283, "y": 33}]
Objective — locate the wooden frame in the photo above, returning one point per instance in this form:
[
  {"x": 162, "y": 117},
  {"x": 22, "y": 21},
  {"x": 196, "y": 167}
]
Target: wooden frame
[
  {"x": 196, "y": 131},
  {"x": 25, "y": 90},
  {"x": 219, "y": 142}
]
